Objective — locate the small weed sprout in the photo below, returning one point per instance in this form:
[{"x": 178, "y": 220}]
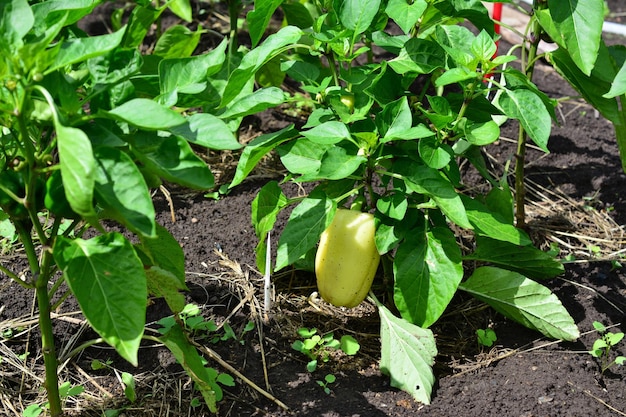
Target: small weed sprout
[
  {"x": 603, "y": 345},
  {"x": 486, "y": 337},
  {"x": 318, "y": 347},
  {"x": 328, "y": 379}
]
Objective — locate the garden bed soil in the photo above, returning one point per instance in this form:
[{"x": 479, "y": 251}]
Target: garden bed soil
[{"x": 575, "y": 201}]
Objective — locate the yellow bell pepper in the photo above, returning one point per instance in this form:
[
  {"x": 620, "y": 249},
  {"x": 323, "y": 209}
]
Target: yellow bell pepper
[{"x": 347, "y": 259}]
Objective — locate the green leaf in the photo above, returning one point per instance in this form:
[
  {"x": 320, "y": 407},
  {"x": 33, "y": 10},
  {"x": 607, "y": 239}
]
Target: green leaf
[
  {"x": 327, "y": 133},
  {"x": 407, "y": 355},
  {"x": 579, "y": 26},
  {"x": 268, "y": 202},
  {"x": 172, "y": 159},
  {"x": 16, "y": 20},
  {"x": 256, "y": 102},
  {"x": 480, "y": 133},
  {"x": 266, "y": 206},
  {"x": 301, "y": 156},
  {"x": 165, "y": 251},
  {"x": 139, "y": 23},
  {"x": 618, "y": 87},
  {"x": 493, "y": 225},
  {"x": 522, "y": 300},
  {"x": 396, "y": 119},
  {"x": 177, "y": 42},
  {"x": 147, "y": 114},
  {"x": 526, "y": 260},
  {"x": 525, "y": 106},
  {"x": 257, "y": 149},
  {"x": 109, "y": 283},
  {"x": 483, "y": 47},
  {"x": 427, "y": 270},
  {"x": 256, "y": 58},
  {"x": 349, "y": 345},
  {"x": 191, "y": 361},
  {"x": 259, "y": 18},
  {"x": 188, "y": 75},
  {"x": 162, "y": 283},
  {"x": 420, "y": 56},
  {"x": 181, "y": 8},
  {"x": 393, "y": 206},
  {"x": 406, "y": 14},
  {"x": 337, "y": 163},
  {"x": 435, "y": 155},
  {"x": 427, "y": 181},
  {"x": 78, "y": 168},
  {"x": 81, "y": 49},
  {"x": 305, "y": 225},
  {"x": 358, "y": 15},
  {"x": 122, "y": 191},
  {"x": 206, "y": 130},
  {"x": 595, "y": 87}
]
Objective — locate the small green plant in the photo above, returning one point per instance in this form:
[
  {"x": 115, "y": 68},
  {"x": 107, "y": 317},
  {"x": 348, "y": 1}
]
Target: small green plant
[
  {"x": 66, "y": 390},
  {"x": 328, "y": 379},
  {"x": 319, "y": 347},
  {"x": 129, "y": 386},
  {"x": 604, "y": 344},
  {"x": 486, "y": 337}
]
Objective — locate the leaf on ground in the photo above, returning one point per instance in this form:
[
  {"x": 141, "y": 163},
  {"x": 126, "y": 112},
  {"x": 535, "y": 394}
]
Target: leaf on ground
[{"x": 407, "y": 355}]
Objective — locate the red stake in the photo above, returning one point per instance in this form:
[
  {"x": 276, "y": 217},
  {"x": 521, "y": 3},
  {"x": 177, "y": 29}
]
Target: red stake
[{"x": 496, "y": 16}]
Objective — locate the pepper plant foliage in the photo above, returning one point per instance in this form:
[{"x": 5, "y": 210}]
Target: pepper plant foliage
[
  {"x": 88, "y": 124},
  {"x": 391, "y": 136}
]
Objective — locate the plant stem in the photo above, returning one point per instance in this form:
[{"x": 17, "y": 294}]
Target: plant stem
[
  {"x": 520, "y": 155},
  {"x": 40, "y": 279}
]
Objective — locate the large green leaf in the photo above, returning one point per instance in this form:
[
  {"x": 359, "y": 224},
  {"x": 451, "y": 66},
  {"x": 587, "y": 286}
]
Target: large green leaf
[
  {"x": 425, "y": 180},
  {"x": 527, "y": 107},
  {"x": 493, "y": 225},
  {"x": 147, "y": 114},
  {"x": 327, "y": 133},
  {"x": 177, "y": 42},
  {"x": 172, "y": 159},
  {"x": 420, "y": 56},
  {"x": 16, "y": 20},
  {"x": 256, "y": 102},
  {"x": 406, "y": 14},
  {"x": 257, "y": 149},
  {"x": 522, "y": 300},
  {"x": 526, "y": 260},
  {"x": 181, "y": 8},
  {"x": 407, "y": 354},
  {"x": 595, "y": 87},
  {"x": 427, "y": 270},
  {"x": 618, "y": 87},
  {"x": 306, "y": 223},
  {"x": 579, "y": 27},
  {"x": 122, "y": 191},
  {"x": 207, "y": 130},
  {"x": 259, "y": 18},
  {"x": 338, "y": 162},
  {"x": 81, "y": 49},
  {"x": 189, "y": 75},
  {"x": 78, "y": 167},
  {"x": 358, "y": 15},
  {"x": 109, "y": 282},
  {"x": 256, "y": 58}
]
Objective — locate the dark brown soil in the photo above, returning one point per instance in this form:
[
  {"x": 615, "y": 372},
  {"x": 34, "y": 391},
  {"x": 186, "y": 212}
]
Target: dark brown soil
[{"x": 524, "y": 375}]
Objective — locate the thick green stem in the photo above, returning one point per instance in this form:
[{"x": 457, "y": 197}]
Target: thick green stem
[{"x": 40, "y": 280}]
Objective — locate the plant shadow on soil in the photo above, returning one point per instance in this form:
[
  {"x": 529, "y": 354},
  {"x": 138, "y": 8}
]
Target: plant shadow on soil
[{"x": 524, "y": 375}]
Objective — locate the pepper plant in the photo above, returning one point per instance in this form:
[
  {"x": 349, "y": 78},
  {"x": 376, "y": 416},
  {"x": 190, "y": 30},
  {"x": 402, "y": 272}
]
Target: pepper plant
[
  {"x": 88, "y": 124},
  {"x": 389, "y": 138}
]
